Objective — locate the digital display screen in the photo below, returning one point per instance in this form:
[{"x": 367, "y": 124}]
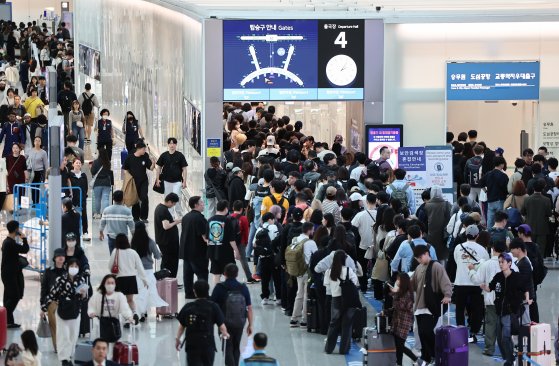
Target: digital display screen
[
  {"x": 384, "y": 135},
  {"x": 293, "y": 59}
]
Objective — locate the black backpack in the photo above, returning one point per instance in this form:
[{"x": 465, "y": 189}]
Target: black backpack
[
  {"x": 198, "y": 321},
  {"x": 472, "y": 171},
  {"x": 262, "y": 243},
  {"x": 280, "y": 204},
  {"x": 87, "y": 105},
  {"x": 414, "y": 263},
  {"x": 236, "y": 229},
  {"x": 235, "y": 308}
]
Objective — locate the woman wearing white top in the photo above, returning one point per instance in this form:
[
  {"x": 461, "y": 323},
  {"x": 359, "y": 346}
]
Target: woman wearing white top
[
  {"x": 106, "y": 302},
  {"x": 129, "y": 266},
  {"x": 341, "y": 319},
  {"x": 30, "y": 355}
]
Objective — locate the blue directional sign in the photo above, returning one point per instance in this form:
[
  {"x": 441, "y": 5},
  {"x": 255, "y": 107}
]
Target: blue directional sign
[{"x": 493, "y": 81}]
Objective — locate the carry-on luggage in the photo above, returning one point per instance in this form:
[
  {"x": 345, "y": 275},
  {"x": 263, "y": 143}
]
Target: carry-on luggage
[
  {"x": 451, "y": 344},
  {"x": 381, "y": 349},
  {"x": 83, "y": 348},
  {"x": 382, "y": 323},
  {"x": 536, "y": 338},
  {"x": 359, "y": 323},
  {"x": 3, "y": 328},
  {"x": 312, "y": 316},
  {"x": 168, "y": 290},
  {"x": 126, "y": 353},
  {"x": 123, "y": 155}
]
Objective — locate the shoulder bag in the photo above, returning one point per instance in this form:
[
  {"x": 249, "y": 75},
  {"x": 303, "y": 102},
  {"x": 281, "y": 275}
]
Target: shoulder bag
[
  {"x": 109, "y": 327},
  {"x": 92, "y": 181},
  {"x": 350, "y": 294},
  {"x": 114, "y": 268}
]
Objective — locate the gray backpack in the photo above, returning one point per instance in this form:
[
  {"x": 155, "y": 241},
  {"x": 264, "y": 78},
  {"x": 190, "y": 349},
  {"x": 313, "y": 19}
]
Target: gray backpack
[
  {"x": 400, "y": 194},
  {"x": 235, "y": 308}
]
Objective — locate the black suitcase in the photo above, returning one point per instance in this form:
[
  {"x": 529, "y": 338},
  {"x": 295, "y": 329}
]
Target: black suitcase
[
  {"x": 382, "y": 324},
  {"x": 312, "y": 316},
  {"x": 359, "y": 323}
]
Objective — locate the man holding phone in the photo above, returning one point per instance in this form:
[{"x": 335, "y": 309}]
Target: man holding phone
[{"x": 12, "y": 270}]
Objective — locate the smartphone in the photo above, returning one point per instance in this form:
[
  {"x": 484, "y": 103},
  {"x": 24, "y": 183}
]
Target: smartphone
[{"x": 389, "y": 285}]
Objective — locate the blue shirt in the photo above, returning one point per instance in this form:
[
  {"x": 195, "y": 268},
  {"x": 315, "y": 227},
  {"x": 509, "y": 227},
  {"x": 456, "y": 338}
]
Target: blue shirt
[
  {"x": 258, "y": 363},
  {"x": 405, "y": 255}
]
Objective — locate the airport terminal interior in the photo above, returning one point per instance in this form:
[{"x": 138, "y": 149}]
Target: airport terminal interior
[{"x": 392, "y": 85}]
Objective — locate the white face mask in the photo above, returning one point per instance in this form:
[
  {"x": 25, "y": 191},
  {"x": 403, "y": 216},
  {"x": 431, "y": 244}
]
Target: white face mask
[
  {"x": 71, "y": 244},
  {"x": 103, "y": 117},
  {"x": 110, "y": 288},
  {"x": 73, "y": 271}
]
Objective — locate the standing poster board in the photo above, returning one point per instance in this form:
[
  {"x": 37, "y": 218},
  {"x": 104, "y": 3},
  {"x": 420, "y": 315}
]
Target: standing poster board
[
  {"x": 384, "y": 135},
  {"x": 427, "y": 166}
]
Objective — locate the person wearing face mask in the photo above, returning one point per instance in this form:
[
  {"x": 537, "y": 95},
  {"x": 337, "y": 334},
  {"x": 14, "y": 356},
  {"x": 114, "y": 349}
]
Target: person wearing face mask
[
  {"x": 78, "y": 179},
  {"x": 49, "y": 279},
  {"x": 105, "y": 132},
  {"x": 74, "y": 251},
  {"x": 68, "y": 291},
  {"x": 132, "y": 131},
  {"x": 106, "y": 302}
]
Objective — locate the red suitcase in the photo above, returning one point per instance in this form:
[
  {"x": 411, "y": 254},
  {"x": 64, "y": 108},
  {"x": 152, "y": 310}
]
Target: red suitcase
[
  {"x": 126, "y": 353},
  {"x": 3, "y": 328},
  {"x": 168, "y": 290}
]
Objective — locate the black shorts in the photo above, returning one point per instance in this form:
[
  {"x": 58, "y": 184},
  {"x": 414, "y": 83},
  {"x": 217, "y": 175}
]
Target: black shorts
[
  {"x": 217, "y": 267},
  {"x": 127, "y": 285}
]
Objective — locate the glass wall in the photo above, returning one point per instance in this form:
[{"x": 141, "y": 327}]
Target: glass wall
[{"x": 151, "y": 60}]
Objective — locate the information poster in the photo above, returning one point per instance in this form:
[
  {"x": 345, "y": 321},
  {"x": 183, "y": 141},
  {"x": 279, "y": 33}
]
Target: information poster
[
  {"x": 384, "y": 135},
  {"x": 493, "y": 81},
  {"x": 192, "y": 125},
  {"x": 550, "y": 137},
  {"x": 427, "y": 166},
  {"x": 90, "y": 62},
  {"x": 293, "y": 59}
]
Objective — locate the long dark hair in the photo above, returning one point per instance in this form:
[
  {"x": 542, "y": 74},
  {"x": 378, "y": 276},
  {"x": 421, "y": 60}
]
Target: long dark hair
[
  {"x": 140, "y": 240},
  {"x": 319, "y": 236},
  {"x": 339, "y": 238},
  {"x": 121, "y": 242},
  {"x": 104, "y": 159},
  {"x": 405, "y": 285},
  {"x": 330, "y": 221},
  {"x": 133, "y": 116},
  {"x": 30, "y": 342},
  {"x": 337, "y": 264}
]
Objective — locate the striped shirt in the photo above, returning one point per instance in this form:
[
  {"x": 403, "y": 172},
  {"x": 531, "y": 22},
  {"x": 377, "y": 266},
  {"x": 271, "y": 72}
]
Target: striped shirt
[{"x": 117, "y": 219}]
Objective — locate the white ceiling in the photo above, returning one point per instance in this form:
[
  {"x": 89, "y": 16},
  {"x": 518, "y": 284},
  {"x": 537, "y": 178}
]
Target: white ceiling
[{"x": 367, "y": 8}]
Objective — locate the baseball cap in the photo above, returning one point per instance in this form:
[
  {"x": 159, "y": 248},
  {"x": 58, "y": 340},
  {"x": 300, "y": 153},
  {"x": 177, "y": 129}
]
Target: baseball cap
[
  {"x": 500, "y": 151},
  {"x": 235, "y": 169},
  {"x": 59, "y": 252},
  {"x": 26, "y": 115},
  {"x": 354, "y": 189},
  {"x": 524, "y": 229},
  {"x": 297, "y": 214},
  {"x": 270, "y": 140},
  {"x": 140, "y": 145},
  {"x": 355, "y": 197},
  {"x": 331, "y": 191},
  {"x": 70, "y": 236},
  {"x": 472, "y": 230},
  {"x": 229, "y": 166}
]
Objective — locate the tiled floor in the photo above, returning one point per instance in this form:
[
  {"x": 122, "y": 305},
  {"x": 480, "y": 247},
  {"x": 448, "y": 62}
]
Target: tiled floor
[{"x": 292, "y": 347}]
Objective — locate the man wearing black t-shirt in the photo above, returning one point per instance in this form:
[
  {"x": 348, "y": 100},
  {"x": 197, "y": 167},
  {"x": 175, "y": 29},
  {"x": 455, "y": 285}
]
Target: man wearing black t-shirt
[
  {"x": 222, "y": 247},
  {"x": 136, "y": 164},
  {"x": 193, "y": 245},
  {"x": 171, "y": 170},
  {"x": 167, "y": 233}
]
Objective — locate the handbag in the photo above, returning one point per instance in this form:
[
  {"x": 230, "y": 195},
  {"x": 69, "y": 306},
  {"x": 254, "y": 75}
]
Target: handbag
[
  {"x": 350, "y": 294},
  {"x": 162, "y": 274},
  {"x": 114, "y": 268},
  {"x": 109, "y": 327},
  {"x": 92, "y": 182},
  {"x": 159, "y": 189},
  {"x": 8, "y": 202},
  {"x": 22, "y": 261},
  {"x": 43, "y": 329},
  {"x": 69, "y": 309}
]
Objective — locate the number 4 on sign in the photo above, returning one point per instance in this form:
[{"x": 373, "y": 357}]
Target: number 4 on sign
[{"x": 340, "y": 40}]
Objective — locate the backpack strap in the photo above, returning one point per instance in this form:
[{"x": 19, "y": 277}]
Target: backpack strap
[{"x": 273, "y": 199}]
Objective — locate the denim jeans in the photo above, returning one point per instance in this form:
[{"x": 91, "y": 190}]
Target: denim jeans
[
  {"x": 492, "y": 208},
  {"x": 79, "y": 132},
  {"x": 111, "y": 242},
  {"x": 252, "y": 232},
  {"x": 504, "y": 340},
  {"x": 102, "y": 197}
]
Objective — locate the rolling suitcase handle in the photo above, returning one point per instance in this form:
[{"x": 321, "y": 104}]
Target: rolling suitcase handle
[{"x": 447, "y": 315}]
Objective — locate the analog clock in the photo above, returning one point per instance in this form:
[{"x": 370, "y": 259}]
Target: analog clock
[{"x": 341, "y": 70}]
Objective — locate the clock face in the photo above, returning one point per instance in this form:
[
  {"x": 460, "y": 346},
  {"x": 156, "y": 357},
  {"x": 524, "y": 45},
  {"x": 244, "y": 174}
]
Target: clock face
[{"x": 341, "y": 70}]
